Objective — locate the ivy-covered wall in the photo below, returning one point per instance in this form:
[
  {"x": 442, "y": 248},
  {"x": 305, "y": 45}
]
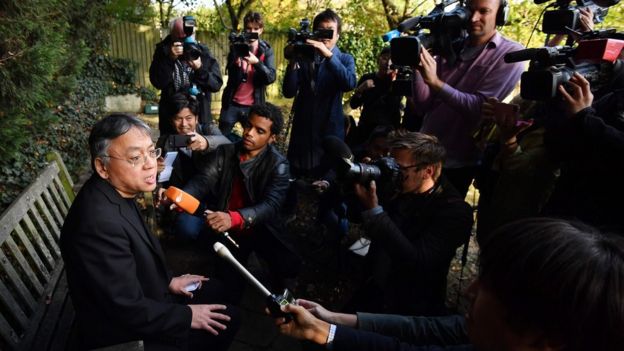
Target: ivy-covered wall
[{"x": 53, "y": 79}]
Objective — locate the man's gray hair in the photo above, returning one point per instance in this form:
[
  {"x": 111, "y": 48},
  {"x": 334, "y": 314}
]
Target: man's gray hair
[{"x": 109, "y": 128}]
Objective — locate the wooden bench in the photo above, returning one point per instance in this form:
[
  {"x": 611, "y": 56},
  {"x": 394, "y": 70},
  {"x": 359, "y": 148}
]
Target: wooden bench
[{"x": 36, "y": 313}]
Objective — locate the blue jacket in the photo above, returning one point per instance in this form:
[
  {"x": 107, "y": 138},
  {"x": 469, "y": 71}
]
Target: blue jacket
[{"x": 317, "y": 106}]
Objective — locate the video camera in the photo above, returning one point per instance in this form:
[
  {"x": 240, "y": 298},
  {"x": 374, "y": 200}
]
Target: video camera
[
  {"x": 297, "y": 49},
  {"x": 240, "y": 43},
  {"x": 566, "y": 18},
  {"x": 192, "y": 50},
  {"x": 594, "y": 58},
  {"x": 446, "y": 32}
]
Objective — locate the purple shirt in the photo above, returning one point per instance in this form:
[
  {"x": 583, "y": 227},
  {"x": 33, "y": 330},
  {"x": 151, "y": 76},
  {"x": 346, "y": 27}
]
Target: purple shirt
[{"x": 455, "y": 112}]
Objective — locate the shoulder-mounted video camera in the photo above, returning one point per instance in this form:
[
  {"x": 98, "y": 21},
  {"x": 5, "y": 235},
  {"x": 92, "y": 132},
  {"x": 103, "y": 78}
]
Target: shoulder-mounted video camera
[
  {"x": 297, "y": 48},
  {"x": 440, "y": 31},
  {"x": 566, "y": 18},
  {"x": 240, "y": 43},
  {"x": 594, "y": 57}
]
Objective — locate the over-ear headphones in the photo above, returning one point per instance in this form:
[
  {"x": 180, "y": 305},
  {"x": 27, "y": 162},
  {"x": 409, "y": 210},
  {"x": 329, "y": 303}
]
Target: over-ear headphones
[{"x": 502, "y": 15}]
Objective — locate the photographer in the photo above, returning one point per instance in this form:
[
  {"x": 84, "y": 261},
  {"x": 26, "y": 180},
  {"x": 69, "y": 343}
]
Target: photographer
[
  {"x": 172, "y": 70},
  {"x": 450, "y": 96},
  {"x": 379, "y": 106},
  {"x": 317, "y": 86},
  {"x": 416, "y": 236},
  {"x": 542, "y": 285},
  {"x": 589, "y": 140},
  {"x": 248, "y": 76}
]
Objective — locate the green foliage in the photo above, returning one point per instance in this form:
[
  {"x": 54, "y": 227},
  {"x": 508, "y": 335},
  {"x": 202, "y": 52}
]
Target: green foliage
[
  {"x": 364, "y": 49},
  {"x": 133, "y": 11}
]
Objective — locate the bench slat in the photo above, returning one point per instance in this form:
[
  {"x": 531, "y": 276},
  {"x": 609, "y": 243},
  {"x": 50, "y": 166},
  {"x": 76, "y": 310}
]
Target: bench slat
[
  {"x": 20, "y": 206},
  {"x": 16, "y": 281},
  {"x": 7, "y": 333},
  {"x": 32, "y": 252},
  {"x": 60, "y": 204},
  {"x": 43, "y": 229},
  {"x": 64, "y": 196},
  {"x": 49, "y": 219},
  {"x": 52, "y": 205},
  {"x": 37, "y": 319},
  {"x": 55, "y": 326},
  {"x": 12, "y": 306},
  {"x": 41, "y": 246},
  {"x": 23, "y": 263}
]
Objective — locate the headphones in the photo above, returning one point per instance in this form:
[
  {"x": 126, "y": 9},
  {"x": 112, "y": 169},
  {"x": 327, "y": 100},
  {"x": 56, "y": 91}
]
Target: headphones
[{"x": 502, "y": 15}]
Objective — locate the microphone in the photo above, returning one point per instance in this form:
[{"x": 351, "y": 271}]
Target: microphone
[
  {"x": 274, "y": 302},
  {"x": 408, "y": 24},
  {"x": 182, "y": 199},
  {"x": 189, "y": 204},
  {"x": 335, "y": 147}
]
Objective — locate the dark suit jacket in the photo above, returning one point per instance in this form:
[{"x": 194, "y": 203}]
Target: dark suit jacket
[{"x": 116, "y": 273}]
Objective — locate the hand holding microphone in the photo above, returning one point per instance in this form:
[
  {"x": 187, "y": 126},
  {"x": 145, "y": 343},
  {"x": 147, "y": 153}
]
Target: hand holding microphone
[{"x": 190, "y": 204}]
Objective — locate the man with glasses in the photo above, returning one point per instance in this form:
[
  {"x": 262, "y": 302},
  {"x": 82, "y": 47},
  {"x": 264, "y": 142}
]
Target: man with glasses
[
  {"x": 415, "y": 235},
  {"x": 118, "y": 279}
]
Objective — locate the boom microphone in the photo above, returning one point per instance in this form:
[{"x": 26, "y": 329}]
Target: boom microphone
[
  {"x": 408, "y": 24},
  {"x": 274, "y": 302},
  {"x": 335, "y": 147}
]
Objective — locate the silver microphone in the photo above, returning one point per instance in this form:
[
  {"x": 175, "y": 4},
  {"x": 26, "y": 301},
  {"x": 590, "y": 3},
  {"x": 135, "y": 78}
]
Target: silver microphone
[{"x": 223, "y": 251}]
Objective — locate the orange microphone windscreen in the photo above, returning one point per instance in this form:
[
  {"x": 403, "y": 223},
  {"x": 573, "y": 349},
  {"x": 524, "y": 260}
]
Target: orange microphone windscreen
[{"x": 184, "y": 200}]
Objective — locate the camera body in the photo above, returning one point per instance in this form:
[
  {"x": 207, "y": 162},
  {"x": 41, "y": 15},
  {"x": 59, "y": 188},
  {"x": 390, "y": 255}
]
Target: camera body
[
  {"x": 240, "y": 43},
  {"x": 297, "y": 49},
  {"x": 593, "y": 58},
  {"x": 177, "y": 141},
  {"x": 566, "y": 18},
  {"x": 192, "y": 50}
]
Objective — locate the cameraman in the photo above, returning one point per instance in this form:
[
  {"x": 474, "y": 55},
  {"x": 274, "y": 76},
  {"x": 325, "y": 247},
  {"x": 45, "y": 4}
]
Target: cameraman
[
  {"x": 450, "y": 96},
  {"x": 589, "y": 141},
  {"x": 317, "y": 86},
  {"x": 172, "y": 71},
  {"x": 248, "y": 76},
  {"x": 379, "y": 106},
  {"x": 415, "y": 238}
]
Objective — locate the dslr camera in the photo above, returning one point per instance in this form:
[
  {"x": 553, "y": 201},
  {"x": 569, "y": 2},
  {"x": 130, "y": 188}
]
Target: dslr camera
[
  {"x": 192, "y": 50},
  {"x": 297, "y": 49},
  {"x": 240, "y": 43},
  {"x": 595, "y": 58},
  {"x": 446, "y": 31}
]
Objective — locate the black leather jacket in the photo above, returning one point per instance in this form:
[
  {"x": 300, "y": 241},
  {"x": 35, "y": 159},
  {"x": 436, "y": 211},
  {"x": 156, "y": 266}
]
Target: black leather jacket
[
  {"x": 266, "y": 179},
  {"x": 263, "y": 76}
]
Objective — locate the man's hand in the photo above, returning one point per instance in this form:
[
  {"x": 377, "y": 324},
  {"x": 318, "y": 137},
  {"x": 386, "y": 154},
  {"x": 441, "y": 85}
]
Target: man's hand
[
  {"x": 367, "y": 196},
  {"x": 218, "y": 221},
  {"x": 586, "y": 19},
  {"x": 176, "y": 50},
  {"x": 366, "y": 85},
  {"x": 316, "y": 309},
  {"x": 205, "y": 318},
  {"x": 304, "y": 325},
  {"x": 195, "y": 64},
  {"x": 178, "y": 285},
  {"x": 198, "y": 143},
  {"x": 160, "y": 164},
  {"x": 509, "y": 125},
  {"x": 320, "y": 186},
  {"x": 320, "y": 47},
  {"x": 428, "y": 70},
  {"x": 251, "y": 58},
  {"x": 581, "y": 96}
]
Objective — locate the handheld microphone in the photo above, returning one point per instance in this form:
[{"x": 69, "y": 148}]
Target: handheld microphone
[
  {"x": 274, "y": 302},
  {"x": 189, "y": 204}
]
